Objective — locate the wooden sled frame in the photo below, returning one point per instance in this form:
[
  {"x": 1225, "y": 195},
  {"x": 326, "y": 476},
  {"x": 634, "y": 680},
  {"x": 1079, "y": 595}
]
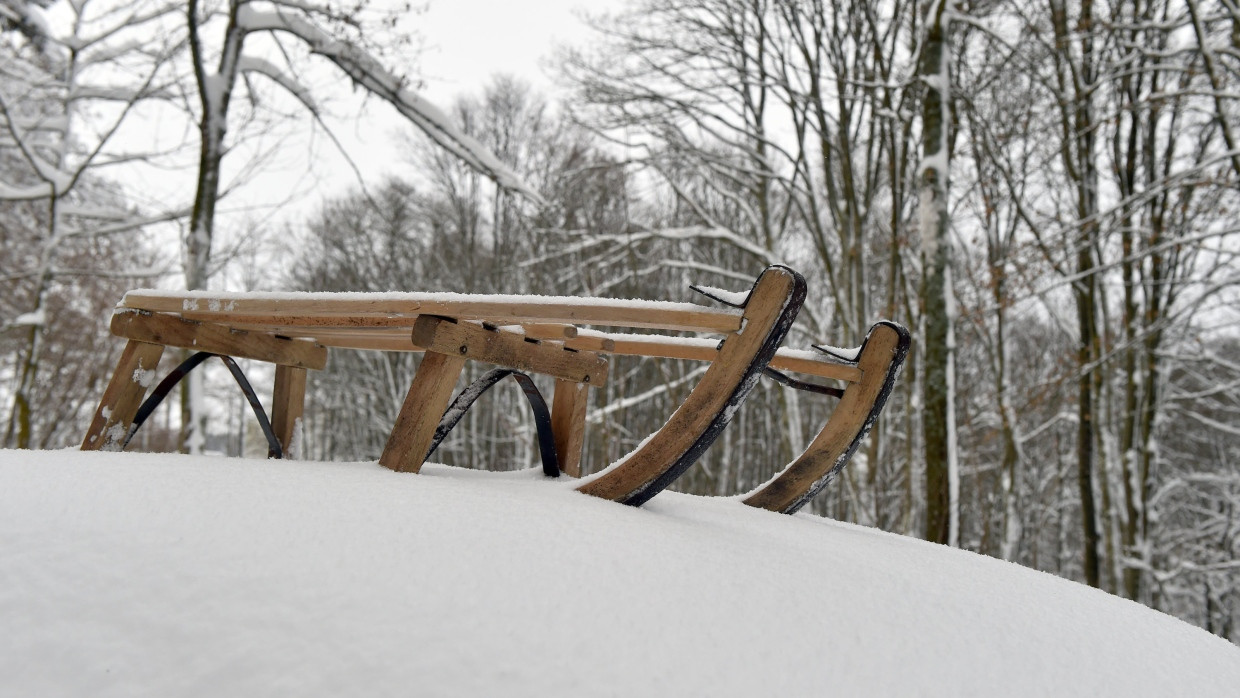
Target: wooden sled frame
[
  {"x": 767, "y": 315},
  {"x": 538, "y": 335}
]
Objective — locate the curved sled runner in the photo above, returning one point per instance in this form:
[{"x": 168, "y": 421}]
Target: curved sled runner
[
  {"x": 770, "y": 308},
  {"x": 879, "y": 359},
  {"x": 868, "y": 373}
]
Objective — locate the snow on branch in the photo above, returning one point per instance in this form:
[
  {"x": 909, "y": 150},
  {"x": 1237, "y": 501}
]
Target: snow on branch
[
  {"x": 121, "y": 94},
  {"x": 10, "y": 192},
  {"x": 253, "y": 64},
  {"x": 366, "y": 71},
  {"x": 707, "y": 233},
  {"x": 125, "y": 225},
  {"x": 55, "y": 181}
]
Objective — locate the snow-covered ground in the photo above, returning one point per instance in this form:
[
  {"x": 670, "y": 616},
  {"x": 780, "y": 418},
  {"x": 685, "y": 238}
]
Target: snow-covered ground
[{"x": 156, "y": 575}]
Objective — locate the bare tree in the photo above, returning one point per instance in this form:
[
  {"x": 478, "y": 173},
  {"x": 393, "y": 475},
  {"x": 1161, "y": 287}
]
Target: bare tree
[
  {"x": 62, "y": 105},
  {"x": 938, "y": 382}
]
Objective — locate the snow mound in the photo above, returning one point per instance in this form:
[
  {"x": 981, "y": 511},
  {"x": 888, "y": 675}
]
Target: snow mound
[{"x": 136, "y": 574}]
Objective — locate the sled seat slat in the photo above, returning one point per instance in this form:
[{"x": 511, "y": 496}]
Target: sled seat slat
[
  {"x": 698, "y": 349},
  {"x": 311, "y": 309}
]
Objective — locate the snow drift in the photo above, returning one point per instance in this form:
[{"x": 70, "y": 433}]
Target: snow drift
[{"x": 137, "y": 574}]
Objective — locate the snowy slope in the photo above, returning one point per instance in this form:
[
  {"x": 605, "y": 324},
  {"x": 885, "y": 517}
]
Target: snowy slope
[{"x": 163, "y": 575}]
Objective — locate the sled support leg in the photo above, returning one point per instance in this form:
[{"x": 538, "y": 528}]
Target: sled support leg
[
  {"x": 449, "y": 343},
  {"x": 288, "y": 401},
  {"x": 419, "y": 416},
  {"x": 124, "y": 393},
  {"x": 568, "y": 423}
]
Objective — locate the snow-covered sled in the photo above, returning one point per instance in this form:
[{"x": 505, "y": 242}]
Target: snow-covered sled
[{"x": 522, "y": 334}]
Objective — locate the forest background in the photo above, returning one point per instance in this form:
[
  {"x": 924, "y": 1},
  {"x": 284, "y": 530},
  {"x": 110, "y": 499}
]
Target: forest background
[{"x": 1047, "y": 192}]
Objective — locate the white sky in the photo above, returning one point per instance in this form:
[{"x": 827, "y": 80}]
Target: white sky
[
  {"x": 469, "y": 40},
  {"x": 465, "y": 43}
]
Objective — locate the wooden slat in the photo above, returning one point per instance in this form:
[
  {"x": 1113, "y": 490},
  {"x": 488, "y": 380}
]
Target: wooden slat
[
  {"x": 655, "y": 346},
  {"x": 173, "y": 331},
  {"x": 288, "y": 401},
  {"x": 568, "y": 424},
  {"x": 507, "y": 349},
  {"x": 398, "y": 339},
  {"x": 397, "y": 327},
  {"x": 369, "y": 341},
  {"x": 705, "y": 350},
  {"x": 545, "y": 330},
  {"x": 591, "y": 342},
  {"x": 133, "y": 375},
  {"x": 834, "y": 444},
  {"x": 420, "y": 413},
  {"x": 323, "y": 309},
  {"x": 786, "y": 361}
]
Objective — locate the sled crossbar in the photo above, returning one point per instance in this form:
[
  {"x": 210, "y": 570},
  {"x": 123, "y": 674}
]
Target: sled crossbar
[{"x": 564, "y": 339}]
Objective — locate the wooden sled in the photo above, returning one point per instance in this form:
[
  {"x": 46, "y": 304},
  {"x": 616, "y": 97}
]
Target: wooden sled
[
  {"x": 524, "y": 333},
  {"x": 520, "y": 333}
]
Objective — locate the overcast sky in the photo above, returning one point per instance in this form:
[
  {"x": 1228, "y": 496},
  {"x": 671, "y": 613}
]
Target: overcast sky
[{"x": 465, "y": 43}]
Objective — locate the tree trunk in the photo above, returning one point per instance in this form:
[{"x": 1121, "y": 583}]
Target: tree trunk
[
  {"x": 938, "y": 423},
  {"x": 215, "y": 91}
]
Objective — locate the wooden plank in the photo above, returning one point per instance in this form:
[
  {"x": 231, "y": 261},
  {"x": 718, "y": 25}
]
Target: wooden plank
[
  {"x": 173, "y": 331},
  {"x": 655, "y": 346},
  {"x": 701, "y": 349},
  {"x": 358, "y": 310},
  {"x": 398, "y": 339},
  {"x": 707, "y": 409},
  {"x": 135, "y": 372},
  {"x": 568, "y": 424},
  {"x": 424, "y": 406},
  {"x": 369, "y": 341},
  {"x": 882, "y": 353},
  {"x": 393, "y": 327},
  {"x": 591, "y": 342},
  {"x": 288, "y": 401},
  {"x": 508, "y": 349},
  {"x": 544, "y": 330},
  {"x": 785, "y": 360}
]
